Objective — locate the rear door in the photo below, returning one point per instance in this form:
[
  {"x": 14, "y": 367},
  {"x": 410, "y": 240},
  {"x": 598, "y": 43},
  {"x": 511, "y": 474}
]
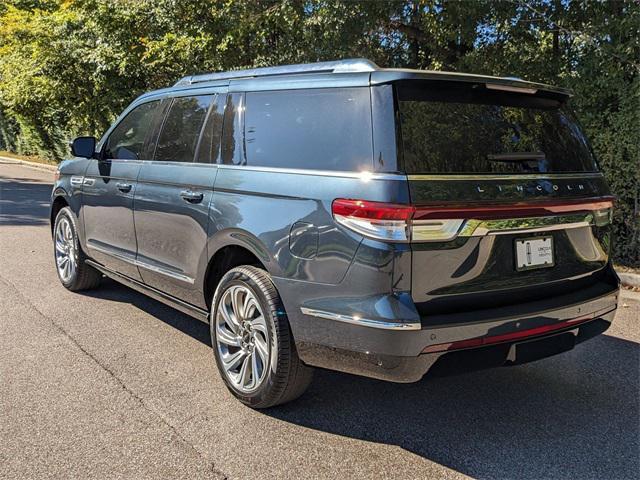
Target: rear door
[
  {"x": 511, "y": 206},
  {"x": 109, "y": 187},
  {"x": 173, "y": 196}
]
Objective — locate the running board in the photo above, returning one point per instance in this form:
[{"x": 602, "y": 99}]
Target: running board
[{"x": 154, "y": 293}]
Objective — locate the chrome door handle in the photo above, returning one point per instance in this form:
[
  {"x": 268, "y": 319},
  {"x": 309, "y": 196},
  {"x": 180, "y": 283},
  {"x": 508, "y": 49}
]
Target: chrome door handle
[
  {"x": 192, "y": 197},
  {"x": 124, "y": 187}
]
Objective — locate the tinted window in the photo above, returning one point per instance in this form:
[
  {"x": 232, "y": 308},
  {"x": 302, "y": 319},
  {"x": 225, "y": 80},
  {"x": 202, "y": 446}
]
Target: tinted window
[
  {"x": 327, "y": 129},
  {"x": 127, "y": 140},
  {"x": 209, "y": 148},
  {"x": 472, "y": 129},
  {"x": 181, "y": 129}
]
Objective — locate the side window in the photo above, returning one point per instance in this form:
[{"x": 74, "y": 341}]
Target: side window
[
  {"x": 324, "y": 129},
  {"x": 127, "y": 140},
  {"x": 181, "y": 129},
  {"x": 209, "y": 146}
]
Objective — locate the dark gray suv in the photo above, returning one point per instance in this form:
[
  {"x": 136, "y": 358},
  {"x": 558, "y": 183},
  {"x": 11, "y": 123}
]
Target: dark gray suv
[{"x": 381, "y": 222}]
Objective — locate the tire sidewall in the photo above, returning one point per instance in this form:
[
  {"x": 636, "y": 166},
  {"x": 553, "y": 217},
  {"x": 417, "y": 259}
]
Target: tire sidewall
[
  {"x": 66, "y": 213},
  {"x": 262, "y": 393}
]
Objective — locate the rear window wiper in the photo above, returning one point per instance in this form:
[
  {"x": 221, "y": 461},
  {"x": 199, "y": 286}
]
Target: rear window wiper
[{"x": 516, "y": 157}]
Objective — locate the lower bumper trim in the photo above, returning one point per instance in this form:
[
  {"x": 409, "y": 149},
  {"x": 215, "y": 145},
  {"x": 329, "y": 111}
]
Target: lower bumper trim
[
  {"x": 364, "y": 322},
  {"x": 512, "y": 336}
]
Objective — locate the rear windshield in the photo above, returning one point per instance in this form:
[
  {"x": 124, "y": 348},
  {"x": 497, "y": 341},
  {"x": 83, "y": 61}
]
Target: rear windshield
[{"x": 467, "y": 128}]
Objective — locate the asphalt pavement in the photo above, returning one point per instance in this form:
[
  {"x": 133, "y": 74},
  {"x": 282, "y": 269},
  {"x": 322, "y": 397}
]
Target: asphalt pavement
[{"x": 111, "y": 384}]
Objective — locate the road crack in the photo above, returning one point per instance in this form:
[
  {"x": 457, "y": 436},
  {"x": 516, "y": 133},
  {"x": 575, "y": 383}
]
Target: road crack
[{"x": 27, "y": 302}]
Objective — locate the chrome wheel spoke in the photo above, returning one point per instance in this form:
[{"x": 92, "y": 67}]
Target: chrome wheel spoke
[
  {"x": 232, "y": 361},
  {"x": 261, "y": 349},
  {"x": 260, "y": 325},
  {"x": 238, "y": 296},
  {"x": 68, "y": 235},
  {"x": 245, "y": 372},
  {"x": 229, "y": 318},
  {"x": 228, "y": 338},
  {"x": 256, "y": 372},
  {"x": 60, "y": 247},
  {"x": 250, "y": 307}
]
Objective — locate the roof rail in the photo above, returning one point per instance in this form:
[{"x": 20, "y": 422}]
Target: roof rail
[{"x": 337, "y": 66}]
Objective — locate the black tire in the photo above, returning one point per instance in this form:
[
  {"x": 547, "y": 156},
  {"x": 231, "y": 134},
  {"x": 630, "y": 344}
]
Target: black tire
[
  {"x": 84, "y": 277},
  {"x": 286, "y": 377}
]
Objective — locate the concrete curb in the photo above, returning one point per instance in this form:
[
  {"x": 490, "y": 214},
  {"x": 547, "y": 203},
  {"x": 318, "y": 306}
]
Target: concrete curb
[
  {"x": 38, "y": 166},
  {"x": 630, "y": 279}
]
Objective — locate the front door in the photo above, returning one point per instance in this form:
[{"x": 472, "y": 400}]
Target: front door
[
  {"x": 109, "y": 187},
  {"x": 173, "y": 196}
]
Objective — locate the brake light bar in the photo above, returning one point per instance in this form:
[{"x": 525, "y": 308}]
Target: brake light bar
[
  {"x": 496, "y": 212},
  {"x": 402, "y": 223}
]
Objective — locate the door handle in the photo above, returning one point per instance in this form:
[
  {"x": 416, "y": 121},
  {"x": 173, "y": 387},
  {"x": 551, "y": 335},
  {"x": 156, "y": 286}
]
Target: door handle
[
  {"x": 124, "y": 187},
  {"x": 192, "y": 197}
]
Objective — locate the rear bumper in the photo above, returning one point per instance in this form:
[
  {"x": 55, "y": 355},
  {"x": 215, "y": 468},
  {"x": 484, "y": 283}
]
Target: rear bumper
[
  {"x": 459, "y": 342},
  {"x": 411, "y": 369}
]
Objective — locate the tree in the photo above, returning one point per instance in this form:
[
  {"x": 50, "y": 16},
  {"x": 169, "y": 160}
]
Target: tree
[{"x": 68, "y": 67}]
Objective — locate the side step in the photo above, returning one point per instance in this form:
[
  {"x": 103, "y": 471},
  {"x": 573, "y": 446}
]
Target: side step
[{"x": 156, "y": 294}]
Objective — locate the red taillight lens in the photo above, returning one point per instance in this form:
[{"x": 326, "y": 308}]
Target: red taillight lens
[
  {"x": 383, "y": 221},
  {"x": 372, "y": 210},
  {"x": 391, "y": 222}
]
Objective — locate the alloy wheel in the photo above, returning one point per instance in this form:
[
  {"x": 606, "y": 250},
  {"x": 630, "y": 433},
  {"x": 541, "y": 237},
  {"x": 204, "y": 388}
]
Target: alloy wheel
[
  {"x": 242, "y": 339},
  {"x": 65, "y": 250}
]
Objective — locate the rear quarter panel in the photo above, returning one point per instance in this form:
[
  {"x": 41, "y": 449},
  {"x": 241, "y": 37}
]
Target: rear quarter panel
[{"x": 259, "y": 208}]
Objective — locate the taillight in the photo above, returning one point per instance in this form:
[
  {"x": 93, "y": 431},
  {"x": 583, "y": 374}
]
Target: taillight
[
  {"x": 383, "y": 221},
  {"x": 391, "y": 222}
]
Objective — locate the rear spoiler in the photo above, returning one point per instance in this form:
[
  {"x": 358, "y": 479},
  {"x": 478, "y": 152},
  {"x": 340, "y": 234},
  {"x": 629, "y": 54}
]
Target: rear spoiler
[{"x": 513, "y": 84}]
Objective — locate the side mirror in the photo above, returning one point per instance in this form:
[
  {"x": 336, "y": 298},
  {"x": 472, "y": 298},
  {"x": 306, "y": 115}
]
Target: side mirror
[{"x": 83, "y": 147}]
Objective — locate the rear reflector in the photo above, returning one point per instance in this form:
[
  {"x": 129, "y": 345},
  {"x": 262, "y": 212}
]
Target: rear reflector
[
  {"x": 520, "y": 335},
  {"x": 403, "y": 223}
]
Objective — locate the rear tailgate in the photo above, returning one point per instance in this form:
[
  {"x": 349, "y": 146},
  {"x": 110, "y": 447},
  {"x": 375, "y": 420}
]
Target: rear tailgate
[{"x": 480, "y": 268}]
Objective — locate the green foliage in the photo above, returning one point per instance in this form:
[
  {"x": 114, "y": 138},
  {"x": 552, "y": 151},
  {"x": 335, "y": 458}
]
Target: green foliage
[{"x": 68, "y": 67}]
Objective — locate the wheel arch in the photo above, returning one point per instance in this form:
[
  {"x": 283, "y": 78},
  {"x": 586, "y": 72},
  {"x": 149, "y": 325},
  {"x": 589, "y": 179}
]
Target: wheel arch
[
  {"x": 58, "y": 203},
  {"x": 231, "y": 249}
]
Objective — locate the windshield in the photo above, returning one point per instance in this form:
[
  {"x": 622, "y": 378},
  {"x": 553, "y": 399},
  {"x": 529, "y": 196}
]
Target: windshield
[{"x": 467, "y": 128}]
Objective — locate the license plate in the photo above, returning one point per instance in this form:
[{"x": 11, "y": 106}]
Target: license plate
[{"x": 534, "y": 253}]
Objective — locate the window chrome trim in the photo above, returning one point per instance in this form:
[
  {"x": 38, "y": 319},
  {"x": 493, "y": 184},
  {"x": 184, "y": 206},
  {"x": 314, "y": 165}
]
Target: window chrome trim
[
  {"x": 363, "y": 175},
  {"x": 362, "y": 322}
]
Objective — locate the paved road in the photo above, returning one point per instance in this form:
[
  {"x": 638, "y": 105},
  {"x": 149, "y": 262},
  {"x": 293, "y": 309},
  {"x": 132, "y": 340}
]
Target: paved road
[{"x": 111, "y": 384}]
